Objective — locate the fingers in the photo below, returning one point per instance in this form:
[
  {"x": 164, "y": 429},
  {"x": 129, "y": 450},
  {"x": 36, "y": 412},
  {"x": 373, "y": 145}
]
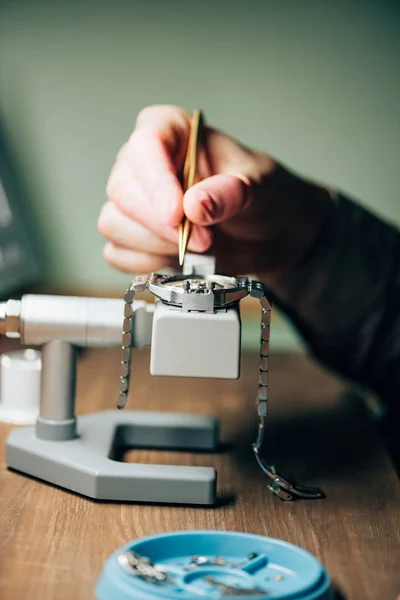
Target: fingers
[
  {"x": 149, "y": 193},
  {"x": 146, "y": 201},
  {"x": 139, "y": 263},
  {"x": 116, "y": 227},
  {"x": 144, "y": 182},
  {"x": 154, "y": 173},
  {"x": 172, "y": 125},
  {"x": 135, "y": 249},
  {"x": 217, "y": 199},
  {"x": 125, "y": 231}
]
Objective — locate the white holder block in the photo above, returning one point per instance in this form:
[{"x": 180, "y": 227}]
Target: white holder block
[
  {"x": 195, "y": 344},
  {"x": 20, "y": 375}
]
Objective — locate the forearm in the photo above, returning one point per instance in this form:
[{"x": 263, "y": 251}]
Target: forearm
[{"x": 344, "y": 298}]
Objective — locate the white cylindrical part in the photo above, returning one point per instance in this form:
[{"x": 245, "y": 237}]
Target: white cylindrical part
[
  {"x": 104, "y": 323},
  {"x": 81, "y": 321},
  {"x": 20, "y": 375}
]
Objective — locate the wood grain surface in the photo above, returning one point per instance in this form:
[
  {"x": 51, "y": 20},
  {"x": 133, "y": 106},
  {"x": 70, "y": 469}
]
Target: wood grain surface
[{"x": 53, "y": 543}]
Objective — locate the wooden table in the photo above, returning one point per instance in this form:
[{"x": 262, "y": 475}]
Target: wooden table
[{"x": 53, "y": 543}]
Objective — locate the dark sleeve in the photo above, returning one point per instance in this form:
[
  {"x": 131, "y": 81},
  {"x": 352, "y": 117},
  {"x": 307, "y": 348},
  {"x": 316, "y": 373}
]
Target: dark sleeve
[{"x": 344, "y": 299}]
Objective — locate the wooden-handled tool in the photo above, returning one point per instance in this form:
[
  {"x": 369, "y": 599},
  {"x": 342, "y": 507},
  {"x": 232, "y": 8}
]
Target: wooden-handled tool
[{"x": 189, "y": 176}]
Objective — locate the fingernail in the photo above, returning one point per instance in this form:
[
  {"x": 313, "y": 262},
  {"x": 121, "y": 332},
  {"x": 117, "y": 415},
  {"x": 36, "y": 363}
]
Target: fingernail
[
  {"x": 247, "y": 184},
  {"x": 245, "y": 179},
  {"x": 108, "y": 250}
]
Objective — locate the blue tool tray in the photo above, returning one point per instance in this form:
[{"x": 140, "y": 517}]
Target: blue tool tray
[{"x": 281, "y": 570}]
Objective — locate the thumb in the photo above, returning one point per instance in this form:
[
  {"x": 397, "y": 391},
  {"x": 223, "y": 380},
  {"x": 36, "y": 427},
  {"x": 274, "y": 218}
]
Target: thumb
[{"x": 217, "y": 199}]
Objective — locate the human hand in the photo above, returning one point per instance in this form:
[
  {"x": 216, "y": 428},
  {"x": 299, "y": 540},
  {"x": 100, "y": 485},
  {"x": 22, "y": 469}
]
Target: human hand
[{"x": 248, "y": 211}]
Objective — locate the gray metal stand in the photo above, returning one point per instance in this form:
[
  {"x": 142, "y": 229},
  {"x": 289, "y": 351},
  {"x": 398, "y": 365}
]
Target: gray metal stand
[{"x": 81, "y": 454}]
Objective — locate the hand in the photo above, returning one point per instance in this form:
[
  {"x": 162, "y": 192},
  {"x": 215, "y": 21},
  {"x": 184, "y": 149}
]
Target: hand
[{"x": 248, "y": 211}]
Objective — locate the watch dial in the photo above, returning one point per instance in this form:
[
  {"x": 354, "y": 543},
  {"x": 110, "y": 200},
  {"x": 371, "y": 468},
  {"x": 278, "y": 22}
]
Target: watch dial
[{"x": 220, "y": 282}]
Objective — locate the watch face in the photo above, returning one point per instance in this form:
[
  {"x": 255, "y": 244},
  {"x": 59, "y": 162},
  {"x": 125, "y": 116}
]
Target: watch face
[
  {"x": 199, "y": 284},
  {"x": 172, "y": 289}
]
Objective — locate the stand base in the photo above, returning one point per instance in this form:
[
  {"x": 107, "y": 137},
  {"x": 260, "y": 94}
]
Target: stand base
[{"x": 87, "y": 464}]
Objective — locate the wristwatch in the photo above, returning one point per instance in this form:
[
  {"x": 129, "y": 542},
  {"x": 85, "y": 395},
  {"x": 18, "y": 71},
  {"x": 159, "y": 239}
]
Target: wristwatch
[{"x": 210, "y": 293}]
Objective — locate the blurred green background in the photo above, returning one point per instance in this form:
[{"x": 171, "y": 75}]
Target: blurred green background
[{"x": 314, "y": 83}]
